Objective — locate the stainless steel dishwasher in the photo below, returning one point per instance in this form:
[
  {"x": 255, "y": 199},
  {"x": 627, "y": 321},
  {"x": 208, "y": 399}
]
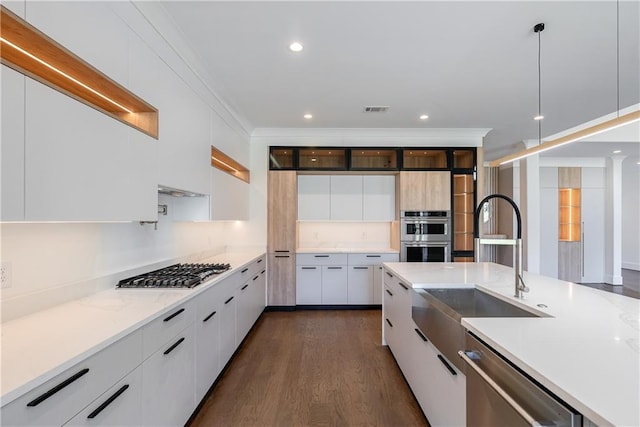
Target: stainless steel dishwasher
[{"x": 500, "y": 395}]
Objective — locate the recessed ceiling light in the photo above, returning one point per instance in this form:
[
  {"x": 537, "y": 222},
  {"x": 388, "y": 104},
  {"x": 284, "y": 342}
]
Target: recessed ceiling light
[
  {"x": 424, "y": 117},
  {"x": 637, "y": 163},
  {"x": 617, "y": 151},
  {"x": 308, "y": 116},
  {"x": 540, "y": 117},
  {"x": 296, "y": 47}
]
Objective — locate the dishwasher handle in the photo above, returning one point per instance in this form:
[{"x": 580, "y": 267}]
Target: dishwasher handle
[{"x": 503, "y": 394}]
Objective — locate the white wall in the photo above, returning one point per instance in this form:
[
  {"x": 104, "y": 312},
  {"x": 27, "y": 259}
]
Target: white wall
[{"x": 631, "y": 214}]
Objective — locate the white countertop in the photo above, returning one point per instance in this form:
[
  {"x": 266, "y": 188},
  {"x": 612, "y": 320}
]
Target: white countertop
[
  {"x": 351, "y": 250},
  {"x": 587, "y": 352},
  {"x": 37, "y": 347}
]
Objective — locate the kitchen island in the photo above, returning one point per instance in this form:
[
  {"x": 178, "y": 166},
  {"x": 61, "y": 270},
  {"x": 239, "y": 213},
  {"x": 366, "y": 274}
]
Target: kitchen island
[{"x": 585, "y": 347}]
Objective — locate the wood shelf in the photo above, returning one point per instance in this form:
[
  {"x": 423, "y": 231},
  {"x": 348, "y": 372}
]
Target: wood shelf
[
  {"x": 32, "y": 53},
  {"x": 221, "y": 161},
  {"x": 569, "y": 215}
]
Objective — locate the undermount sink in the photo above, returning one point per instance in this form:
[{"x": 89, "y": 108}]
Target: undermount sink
[{"x": 471, "y": 302}]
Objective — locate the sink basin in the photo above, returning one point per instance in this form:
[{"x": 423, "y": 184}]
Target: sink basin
[{"x": 471, "y": 302}]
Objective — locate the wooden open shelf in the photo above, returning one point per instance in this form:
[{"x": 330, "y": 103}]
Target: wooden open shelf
[
  {"x": 32, "y": 53},
  {"x": 569, "y": 215},
  {"x": 221, "y": 161}
]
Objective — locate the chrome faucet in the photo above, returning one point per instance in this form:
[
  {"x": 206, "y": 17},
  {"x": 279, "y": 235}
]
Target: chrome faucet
[{"x": 519, "y": 284}]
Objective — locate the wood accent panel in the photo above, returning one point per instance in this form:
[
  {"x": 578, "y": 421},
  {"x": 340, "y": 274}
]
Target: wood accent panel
[
  {"x": 281, "y": 289},
  {"x": 570, "y": 261},
  {"x": 282, "y": 211},
  {"x": 373, "y": 159},
  {"x": 569, "y": 177},
  {"x": 226, "y": 164},
  {"x": 312, "y": 368},
  {"x": 425, "y": 191},
  {"x": 67, "y": 73}
]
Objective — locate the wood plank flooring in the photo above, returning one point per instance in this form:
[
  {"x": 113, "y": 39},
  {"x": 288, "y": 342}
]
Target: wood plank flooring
[{"x": 312, "y": 368}]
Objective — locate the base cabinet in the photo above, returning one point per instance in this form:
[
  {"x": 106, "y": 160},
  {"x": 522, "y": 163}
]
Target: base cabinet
[{"x": 207, "y": 350}]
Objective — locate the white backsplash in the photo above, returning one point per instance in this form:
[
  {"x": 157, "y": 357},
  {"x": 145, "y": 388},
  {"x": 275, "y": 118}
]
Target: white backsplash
[{"x": 333, "y": 234}]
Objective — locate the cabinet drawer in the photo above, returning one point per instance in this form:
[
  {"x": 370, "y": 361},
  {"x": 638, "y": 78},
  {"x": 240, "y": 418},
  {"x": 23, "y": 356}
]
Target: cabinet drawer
[
  {"x": 371, "y": 258},
  {"x": 59, "y": 399},
  {"x": 321, "y": 259},
  {"x": 162, "y": 329}
]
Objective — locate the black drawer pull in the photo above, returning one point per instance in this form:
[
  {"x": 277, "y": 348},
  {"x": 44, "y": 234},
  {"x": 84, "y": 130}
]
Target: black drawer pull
[
  {"x": 389, "y": 274},
  {"x": 334, "y": 268},
  {"x": 373, "y": 256},
  {"x": 256, "y": 278},
  {"x": 403, "y": 285},
  {"x": 209, "y": 317},
  {"x": 379, "y": 268},
  {"x": 63, "y": 384},
  {"x": 280, "y": 252},
  {"x": 262, "y": 272},
  {"x": 228, "y": 301},
  {"x": 389, "y": 322},
  {"x": 420, "y": 335},
  {"x": 360, "y": 268},
  {"x": 244, "y": 271},
  {"x": 321, "y": 256},
  {"x": 173, "y": 315},
  {"x": 282, "y": 256},
  {"x": 107, "y": 402},
  {"x": 259, "y": 261},
  {"x": 446, "y": 364},
  {"x": 389, "y": 292},
  {"x": 308, "y": 268},
  {"x": 173, "y": 347},
  {"x": 244, "y": 287}
]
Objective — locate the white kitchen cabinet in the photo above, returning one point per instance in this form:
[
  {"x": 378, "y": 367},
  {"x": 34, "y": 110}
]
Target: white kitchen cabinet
[
  {"x": 378, "y": 284},
  {"x": 244, "y": 311},
  {"x": 227, "y": 326},
  {"x": 378, "y": 197},
  {"x": 158, "y": 332},
  {"x": 314, "y": 197},
  {"x": 308, "y": 284},
  {"x": 15, "y": 6},
  {"x": 334, "y": 284},
  {"x": 593, "y": 235},
  {"x": 207, "y": 351},
  {"x": 260, "y": 294},
  {"x": 121, "y": 405},
  {"x": 12, "y": 146},
  {"x": 346, "y": 198},
  {"x": 360, "y": 284},
  {"x": 229, "y": 197}
]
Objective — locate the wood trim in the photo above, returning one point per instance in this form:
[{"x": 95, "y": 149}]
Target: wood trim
[
  {"x": 226, "y": 164},
  {"x": 32, "y": 53},
  {"x": 572, "y": 137}
]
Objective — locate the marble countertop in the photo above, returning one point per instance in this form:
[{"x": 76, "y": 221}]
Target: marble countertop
[
  {"x": 350, "y": 250},
  {"x": 37, "y": 347},
  {"x": 587, "y": 351}
]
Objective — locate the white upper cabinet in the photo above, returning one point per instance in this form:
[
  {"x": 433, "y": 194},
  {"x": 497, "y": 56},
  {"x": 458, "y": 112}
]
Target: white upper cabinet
[
  {"x": 229, "y": 197},
  {"x": 346, "y": 197},
  {"x": 313, "y": 197},
  {"x": 379, "y": 197},
  {"x": 15, "y": 6},
  {"x": 12, "y": 145}
]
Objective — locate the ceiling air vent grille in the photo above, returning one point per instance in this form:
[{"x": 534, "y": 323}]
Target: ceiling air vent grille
[{"x": 376, "y": 109}]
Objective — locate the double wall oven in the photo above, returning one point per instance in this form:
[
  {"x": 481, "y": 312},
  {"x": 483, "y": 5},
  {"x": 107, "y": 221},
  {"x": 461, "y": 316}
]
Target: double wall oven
[{"x": 425, "y": 236}]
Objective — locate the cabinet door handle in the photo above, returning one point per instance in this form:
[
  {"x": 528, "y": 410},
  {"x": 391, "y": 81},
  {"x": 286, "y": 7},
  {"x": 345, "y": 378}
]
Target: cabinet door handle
[
  {"x": 173, "y": 315},
  {"x": 262, "y": 272},
  {"x": 379, "y": 268},
  {"x": 244, "y": 287},
  {"x": 389, "y": 292},
  {"x": 420, "y": 335},
  {"x": 321, "y": 256},
  {"x": 360, "y": 268},
  {"x": 259, "y": 261},
  {"x": 308, "y": 268},
  {"x": 334, "y": 268},
  {"x": 389, "y": 274},
  {"x": 209, "y": 317},
  {"x": 280, "y": 252},
  {"x": 446, "y": 364},
  {"x": 403, "y": 285},
  {"x": 256, "y": 278},
  {"x": 389, "y": 322},
  {"x": 373, "y": 256},
  {"x": 173, "y": 347},
  {"x": 38, "y": 400},
  {"x": 282, "y": 256},
  {"x": 244, "y": 271},
  {"x": 108, "y": 402},
  {"x": 228, "y": 301}
]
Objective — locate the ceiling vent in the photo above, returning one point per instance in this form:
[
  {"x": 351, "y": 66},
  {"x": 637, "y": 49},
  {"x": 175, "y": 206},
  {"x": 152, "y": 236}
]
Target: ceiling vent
[{"x": 376, "y": 109}]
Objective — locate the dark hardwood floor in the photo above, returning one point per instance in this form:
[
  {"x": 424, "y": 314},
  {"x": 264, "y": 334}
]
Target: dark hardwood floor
[{"x": 312, "y": 368}]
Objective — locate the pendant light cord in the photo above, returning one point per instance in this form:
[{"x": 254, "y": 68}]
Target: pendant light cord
[
  {"x": 618, "y": 56},
  {"x": 539, "y": 90}
]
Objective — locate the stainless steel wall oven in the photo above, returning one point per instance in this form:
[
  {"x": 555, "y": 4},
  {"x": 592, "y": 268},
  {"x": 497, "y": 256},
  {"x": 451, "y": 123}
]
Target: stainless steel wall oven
[{"x": 425, "y": 236}]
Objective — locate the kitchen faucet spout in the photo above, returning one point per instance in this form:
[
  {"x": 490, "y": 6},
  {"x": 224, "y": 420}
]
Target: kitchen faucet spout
[{"x": 519, "y": 284}]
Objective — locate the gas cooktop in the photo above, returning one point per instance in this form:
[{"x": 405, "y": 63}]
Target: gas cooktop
[{"x": 182, "y": 276}]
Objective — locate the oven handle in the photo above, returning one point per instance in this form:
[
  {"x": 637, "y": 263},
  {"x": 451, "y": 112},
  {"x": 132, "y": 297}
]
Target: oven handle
[
  {"x": 426, "y": 244},
  {"x": 503, "y": 394}
]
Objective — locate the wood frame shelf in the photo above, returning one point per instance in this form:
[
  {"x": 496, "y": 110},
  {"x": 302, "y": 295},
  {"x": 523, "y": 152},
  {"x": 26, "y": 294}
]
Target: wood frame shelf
[
  {"x": 226, "y": 164},
  {"x": 32, "y": 53}
]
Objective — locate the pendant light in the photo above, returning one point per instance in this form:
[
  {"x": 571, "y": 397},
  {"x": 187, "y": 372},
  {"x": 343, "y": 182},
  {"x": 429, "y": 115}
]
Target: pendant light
[{"x": 538, "y": 29}]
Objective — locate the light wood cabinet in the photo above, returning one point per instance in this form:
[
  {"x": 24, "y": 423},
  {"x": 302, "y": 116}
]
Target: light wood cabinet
[
  {"x": 282, "y": 211},
  {"x": 425, "y": 191},
  {"x": 281, "y": 287}
]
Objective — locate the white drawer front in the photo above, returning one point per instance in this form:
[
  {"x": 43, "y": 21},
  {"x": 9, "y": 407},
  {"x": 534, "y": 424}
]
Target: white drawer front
[
  {"x": 159, "y": 331},
  {"x": 372, "y": 258},
  {"x": 59, "y": 399},
  {"x": 321, "y": 259}
]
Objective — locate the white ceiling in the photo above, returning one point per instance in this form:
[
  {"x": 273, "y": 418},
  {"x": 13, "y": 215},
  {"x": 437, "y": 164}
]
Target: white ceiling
[{"x": 465, "y": 64}]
